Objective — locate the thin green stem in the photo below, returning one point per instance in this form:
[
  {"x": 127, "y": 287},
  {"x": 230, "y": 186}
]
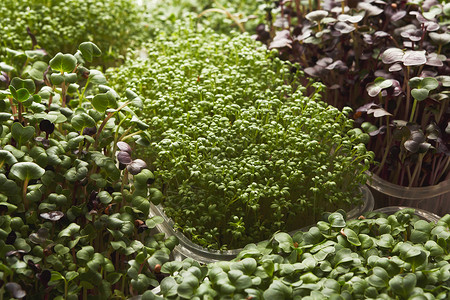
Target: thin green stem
[
  {"x": 84, "y": 90},
  {"x": 413, "y": 111}
]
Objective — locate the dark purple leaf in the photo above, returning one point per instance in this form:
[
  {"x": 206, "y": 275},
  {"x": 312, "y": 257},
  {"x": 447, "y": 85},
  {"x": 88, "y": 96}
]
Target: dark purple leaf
[
  {"x": 90, "y": 131},
  {"x": 440, "y": 38},
  {"x": 367, "y": 38},
  {"x": 399, "y": 123},
  {"x": 398, "y": 15},
  {"x": 282, "y": 39},
  {"x": 407, "y": 44},
  {"x": 433, "y": 60},
  {"x": 343, "y": 27},
  {"x": 52, "y": 215},
  {"x": 315, "y": 71},
  {"x": 382, "y": 73},
  {"x": 4, "y": 77},
  {"x": 260, "y": 28},
  {"x": 323, "y": 62},
  {"x": 427, "y": 4},
  {"x": 442, "y": 148},
  {"x": 433, "y": 131},
  {"x": 15, "y": 290},
  {"x": 47, "y": 126},
  {"x": 395, "y": 67},
  {"x": 378, "y": 112},
  {"x": 381, "y": 130},
  {"x": 351, "y": 19},
  {"x": 424, "y": 147},
  {"x": 281, "y": 22},
  {"x": 417, "y": 136},
  {"x": 19, "y": 253},
  {"x": 367, "y": 106},
  {"x": 413, "y": 35},
  {"x": 304, "y": 35},
  {"x": 432, "y": 26},
  {"x": 316, "y": 15},
  {"x": 370, "y": 9},
  {"x": 397, "y": 88},
  {"x": 381, "y": 34},
  {"x": 392, "y": 55},
  {"x": 45, "y": 277},
  {"x": 414, "y": 58},
  {"x": 428, "y": 73},
  {"x": 124, "y": 158},
  {"x": 11, "y": 238},
  {"x": 339, "y": 66},
  {"x": 124, "y": 147},
  {"x": 136, "y": 166},
  {"x": 419, "y": 16},
  {"x": 35, "y": 267},
  {"x": 411, "y": 146}
]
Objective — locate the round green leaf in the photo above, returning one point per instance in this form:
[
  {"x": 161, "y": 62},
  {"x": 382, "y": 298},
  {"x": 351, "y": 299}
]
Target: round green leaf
[
  {"x": 63, "y": 62},
  {"x": 419, "y": 94},
  {"x": 20, "y": 95},
  {"x": 27, "y": 84},
  {"x": 37, "y": 70},
  {"x": 97, "y": 77},
  {"x": 89, "y": 50},
  {"x": 102, "y": 102},
  {"x": 56, "y": 79},
  {"x": 403, "y": 285},
  {"x": 82, "y": 120},
  {"x": 21, "y": 134},
  {"x": 429, "y": 83},
  {"x": 7, "y": 157},
  {"x": 27, "y": 171}
]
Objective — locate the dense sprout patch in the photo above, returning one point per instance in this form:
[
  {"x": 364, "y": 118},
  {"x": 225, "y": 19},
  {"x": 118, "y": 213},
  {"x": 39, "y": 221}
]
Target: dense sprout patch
[
  {"x": 62, "y": 25},
  {"x": 241, "y": 151}
]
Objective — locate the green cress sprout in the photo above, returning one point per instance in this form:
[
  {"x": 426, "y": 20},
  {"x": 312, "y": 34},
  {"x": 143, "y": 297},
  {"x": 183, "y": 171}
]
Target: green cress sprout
[
  {"x": 73, "y": 223},
  {"x": 240, "y": 148},
  {"x": 61, "y": 25}
]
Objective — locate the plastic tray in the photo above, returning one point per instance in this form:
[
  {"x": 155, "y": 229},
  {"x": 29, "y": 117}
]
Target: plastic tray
[{"x": 187, "y": 248}]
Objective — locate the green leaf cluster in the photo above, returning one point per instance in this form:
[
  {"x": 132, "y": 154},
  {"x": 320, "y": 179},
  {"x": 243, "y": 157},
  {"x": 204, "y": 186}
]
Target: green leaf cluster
[
  {"x": 71, "y": 213},
  {"x": 62, "y": 25},
  {"x": 378, "y": 256}
]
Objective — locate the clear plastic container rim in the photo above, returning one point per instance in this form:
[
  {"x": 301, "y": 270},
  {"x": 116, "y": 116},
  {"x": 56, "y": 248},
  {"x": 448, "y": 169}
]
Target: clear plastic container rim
[
  {"x": 188, "y": 248},
  {"x": 408, "y": 193}
]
